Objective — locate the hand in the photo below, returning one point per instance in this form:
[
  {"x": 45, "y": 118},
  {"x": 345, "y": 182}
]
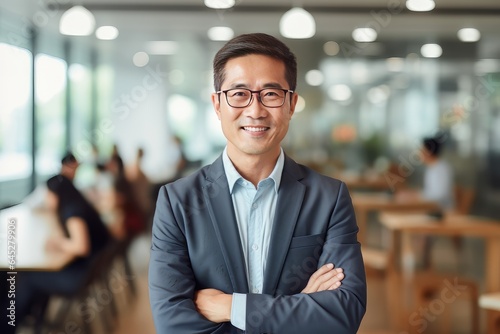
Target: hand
[
  {"x": 213, "y": 304},
  {"x": 325, "y": 278}
]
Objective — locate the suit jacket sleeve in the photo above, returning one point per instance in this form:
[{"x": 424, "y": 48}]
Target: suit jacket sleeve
[
  {"x": 339, "y": 311},
  {"x": 171, "y": 279}
]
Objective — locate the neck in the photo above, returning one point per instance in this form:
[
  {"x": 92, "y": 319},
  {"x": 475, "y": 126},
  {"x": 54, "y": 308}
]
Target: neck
[
  {"x": 432, "y": 160},
  {"x": 254, "y": 168}
]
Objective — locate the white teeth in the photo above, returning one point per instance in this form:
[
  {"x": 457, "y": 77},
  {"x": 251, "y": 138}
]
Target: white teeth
[{"x": 252, "y": 129}]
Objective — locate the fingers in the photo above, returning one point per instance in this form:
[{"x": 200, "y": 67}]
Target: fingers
[
  {"x": 325, "y": 278},
  {"x": 334, "y": 282},
  {"x": 323, "y": 270},
  {"x": 330, "y": 280},
  {"x": 313, "y": 284}
]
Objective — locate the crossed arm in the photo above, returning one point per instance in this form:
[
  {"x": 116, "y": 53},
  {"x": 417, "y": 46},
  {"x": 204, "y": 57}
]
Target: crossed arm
[
  {"x": 215, "y": 305},
  {"x": 178, "y": 307}
]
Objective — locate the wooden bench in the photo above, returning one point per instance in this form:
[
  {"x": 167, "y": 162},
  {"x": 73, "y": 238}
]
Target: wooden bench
[{"x": 491, "y": 301}]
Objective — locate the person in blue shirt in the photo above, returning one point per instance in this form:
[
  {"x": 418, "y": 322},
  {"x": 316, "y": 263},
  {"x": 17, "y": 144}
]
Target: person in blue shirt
[
  {"x": 254, "y": 242},
  {"x": 438, "y": 175}
]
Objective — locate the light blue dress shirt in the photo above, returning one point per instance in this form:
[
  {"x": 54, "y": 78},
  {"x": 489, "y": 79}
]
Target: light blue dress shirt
[
  {"x": 254, "y": 209},
  {"x": 438, "y": 184}
]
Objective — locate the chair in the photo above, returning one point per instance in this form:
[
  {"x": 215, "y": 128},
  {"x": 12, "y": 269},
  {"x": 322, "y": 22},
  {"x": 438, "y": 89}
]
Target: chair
[
  {"x": 96, "y": 281},
  {"x": 436, "y": 294},
  {"x": 491, "y": 302},
  {"x": 429, "y": 284},
  {"x": 375, "y": 260},
  {"x": 121, "y": 254},
  {"x": 464, "y": 199}
]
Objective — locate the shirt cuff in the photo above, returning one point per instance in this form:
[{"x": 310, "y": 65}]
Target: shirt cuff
[{"x": 239, "y": 310}]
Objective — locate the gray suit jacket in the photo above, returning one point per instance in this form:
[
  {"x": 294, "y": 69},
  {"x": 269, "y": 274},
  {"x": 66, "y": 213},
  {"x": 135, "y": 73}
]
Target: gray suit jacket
[{"x": 196, "y": 245}]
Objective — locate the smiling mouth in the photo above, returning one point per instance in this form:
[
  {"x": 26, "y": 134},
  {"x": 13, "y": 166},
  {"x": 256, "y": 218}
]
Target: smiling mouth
[{"x": 255, "y": 128}]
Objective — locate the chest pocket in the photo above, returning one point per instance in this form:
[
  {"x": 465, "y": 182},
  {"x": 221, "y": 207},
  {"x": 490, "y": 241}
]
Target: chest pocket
[{"x": 307, "y": 241}]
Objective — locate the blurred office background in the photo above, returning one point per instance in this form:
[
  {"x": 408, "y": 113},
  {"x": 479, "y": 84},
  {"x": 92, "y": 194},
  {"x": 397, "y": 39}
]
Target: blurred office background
[
  {"x": 142, "y": 76},
  {"x": 360, "y": 100}
]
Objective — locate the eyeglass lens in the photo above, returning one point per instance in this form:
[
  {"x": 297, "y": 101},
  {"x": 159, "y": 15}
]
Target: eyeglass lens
[{"x": 269, "y": 97}]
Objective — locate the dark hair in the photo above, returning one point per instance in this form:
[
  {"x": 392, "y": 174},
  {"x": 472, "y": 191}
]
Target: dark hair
[
  {"x": 119, "y": 164},
  {"x": 257, "y": 43},
  {"x": 69, "y": 158},
  {"x": 62, "y": 187},
  {"x": 71, "y": 201},
  {"x": 433, "y": 145}
]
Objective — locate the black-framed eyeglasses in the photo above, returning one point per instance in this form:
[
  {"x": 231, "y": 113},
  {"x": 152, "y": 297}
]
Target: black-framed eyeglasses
[{"x": 242, "y": 97}]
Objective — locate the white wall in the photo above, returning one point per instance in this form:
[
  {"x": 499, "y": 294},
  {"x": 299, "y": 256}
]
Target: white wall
[{"x": 139, "y": 116}]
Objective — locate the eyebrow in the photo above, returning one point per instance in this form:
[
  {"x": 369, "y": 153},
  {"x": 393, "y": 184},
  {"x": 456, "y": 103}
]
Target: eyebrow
[{"x": 267, "y": 85}]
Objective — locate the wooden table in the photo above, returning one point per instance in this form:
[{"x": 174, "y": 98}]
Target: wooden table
[
  {"x": 32, "y": 230},
  {"x": 402, "y": 226},
  {"x": 361, "y": 182},
  {"x": 364, "y": 203}
]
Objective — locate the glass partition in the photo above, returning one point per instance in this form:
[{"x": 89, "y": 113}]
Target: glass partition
[
  {"x": 50, "y": 89},
  {"x": 15, "y": 112}
]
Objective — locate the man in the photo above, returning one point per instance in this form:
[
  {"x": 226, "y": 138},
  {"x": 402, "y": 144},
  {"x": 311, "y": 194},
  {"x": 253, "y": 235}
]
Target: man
[
  {"x": 37, "y": 198},
  {"x": 69, "y": 165},
  {"x": 255, "y": 242},
  {"x": 438, "y": 176},
  {"x": 437, "y": 187}
]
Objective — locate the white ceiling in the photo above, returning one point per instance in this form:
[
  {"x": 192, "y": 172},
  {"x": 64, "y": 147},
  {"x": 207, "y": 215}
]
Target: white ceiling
[
  {"x": 335, "y": 19},
  {"x": 139, "y": 22}
]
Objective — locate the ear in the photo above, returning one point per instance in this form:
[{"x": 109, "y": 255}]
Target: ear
[
  {"x": 216, "y": 104},
  {"x": 293, "y": 103}
]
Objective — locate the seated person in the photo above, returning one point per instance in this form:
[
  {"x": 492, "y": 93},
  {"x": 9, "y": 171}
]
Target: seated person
[
  {"x": 438, "y": 176},
  {"x": 129, "y": 219},
  {"x": 437, "y": 183},
  {"x": 438, "y": 187},
  {"x": 84, "y": 236},
  {"x": 69, "y": 166},
  {"x": 140, "y": 186}
]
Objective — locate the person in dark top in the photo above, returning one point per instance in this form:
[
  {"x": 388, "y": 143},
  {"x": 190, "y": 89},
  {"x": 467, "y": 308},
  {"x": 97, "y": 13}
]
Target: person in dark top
[
  {"x": 69, "y": 165},
  {"x": 85, "y": 232},
  {"x": 131, "y": 219},
  {"x": 85, "y": 235}
]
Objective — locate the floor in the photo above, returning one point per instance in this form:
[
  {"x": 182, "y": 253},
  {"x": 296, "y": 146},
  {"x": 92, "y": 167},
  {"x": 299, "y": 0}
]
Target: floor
[{"x": 135, "y": 315}]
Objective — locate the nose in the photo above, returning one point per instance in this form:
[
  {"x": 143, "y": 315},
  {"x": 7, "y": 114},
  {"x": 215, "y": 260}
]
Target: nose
[{"x": 255, "y": 109}]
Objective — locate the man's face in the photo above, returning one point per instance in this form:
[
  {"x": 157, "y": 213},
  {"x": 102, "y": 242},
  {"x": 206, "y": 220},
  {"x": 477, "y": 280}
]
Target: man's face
[
  {"x": 256, "y": 129},
  {"x": 425, "y": 155},
  {"x": 69, "y": 170}
]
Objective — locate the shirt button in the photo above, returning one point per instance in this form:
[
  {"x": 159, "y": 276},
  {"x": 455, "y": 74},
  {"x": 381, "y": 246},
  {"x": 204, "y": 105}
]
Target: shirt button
[
  {"x": 255, "y": 247},
  {"x": 255, "y": 290},
  {"x": 254, "y": 206}
]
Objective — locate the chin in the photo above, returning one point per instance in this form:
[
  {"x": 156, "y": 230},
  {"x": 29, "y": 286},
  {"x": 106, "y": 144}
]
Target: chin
[
  {"x": 256, "y": 150},
  {"x": 253, "y": 152}
]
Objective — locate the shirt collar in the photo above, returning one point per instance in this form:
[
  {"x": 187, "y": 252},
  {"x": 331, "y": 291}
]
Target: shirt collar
[{"x": 233, "y": 176}]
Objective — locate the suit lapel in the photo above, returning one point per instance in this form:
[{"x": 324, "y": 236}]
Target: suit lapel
[
  {"x": 290, "y": 197},
  {"x": 221, "y": 211}
]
